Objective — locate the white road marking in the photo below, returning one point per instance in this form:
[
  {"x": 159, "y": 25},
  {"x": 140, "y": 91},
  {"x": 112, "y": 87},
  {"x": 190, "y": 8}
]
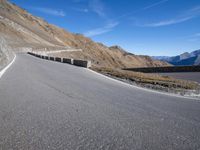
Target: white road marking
[
  {"x": 6, "y": 68},
  {"x": 115, "y": 80}
]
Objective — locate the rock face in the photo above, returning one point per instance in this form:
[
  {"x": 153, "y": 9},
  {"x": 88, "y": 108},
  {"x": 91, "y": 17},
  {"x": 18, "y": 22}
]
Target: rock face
[
  {"x": 21, "y": 29},
  {"x": 184, "y": 59},
  {"x": 6, "y": 55}
]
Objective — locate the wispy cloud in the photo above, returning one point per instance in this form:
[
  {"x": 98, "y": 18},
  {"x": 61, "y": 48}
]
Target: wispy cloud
[
  {"x": 49, "y": 11},
  {"x": 194, "y": 38},
  {"x": 95, "y": 6},
  {"x": 185, "y": 16},
  {"x": 168, "y": 22},
  {"x": 98, "y": 7},
  {"x": 155, "y": 4},
  {"x": 142, "y": 9},
  {"x": 84, "y": 10},
  {"x": 98, "y": 31}
]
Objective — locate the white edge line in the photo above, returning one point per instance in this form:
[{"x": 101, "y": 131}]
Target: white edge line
[
  {"x": 121, "y": 82},
  {"x": 141, "y": 88},
  {"x": 6, "y": 68}
]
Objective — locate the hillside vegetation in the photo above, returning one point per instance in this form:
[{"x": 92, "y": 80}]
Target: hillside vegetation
[{"x": 153, "y": 81}]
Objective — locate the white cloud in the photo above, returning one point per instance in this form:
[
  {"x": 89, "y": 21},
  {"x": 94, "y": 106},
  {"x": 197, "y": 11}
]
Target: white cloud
[
  {"x": 194, "y": 38},
  {"x": 98, "y": 7},
  {"x": 168, "y": 22},
  {"x": 49, "y": 11},
  {"x": 155, "y": 4},
  {"x": 143, "y": 9},
  {"x": 98, "y": 31},
  {"x": 194, "y": 10},
  {"x": 185, "y": 16}
]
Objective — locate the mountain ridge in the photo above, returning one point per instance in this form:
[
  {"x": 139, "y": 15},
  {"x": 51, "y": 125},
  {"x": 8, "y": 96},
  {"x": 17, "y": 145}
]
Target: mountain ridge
[
  {"x": 186, "y": 58},
  {"x": 21, "y": 29}
]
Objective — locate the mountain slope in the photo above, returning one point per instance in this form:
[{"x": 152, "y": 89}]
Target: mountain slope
[
  {"x": 186, "y": 58},
  {"x": 21, "y": 29}
]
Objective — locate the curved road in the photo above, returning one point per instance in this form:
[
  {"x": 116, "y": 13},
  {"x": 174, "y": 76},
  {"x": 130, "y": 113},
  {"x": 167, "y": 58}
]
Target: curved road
[{"x": 49, "y": 105}]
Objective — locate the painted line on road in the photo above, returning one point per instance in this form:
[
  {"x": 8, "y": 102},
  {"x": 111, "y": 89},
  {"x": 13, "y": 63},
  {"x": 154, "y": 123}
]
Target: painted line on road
[
  {"x": 141, "y": 88},
  {"x": 6, "y": 68}
]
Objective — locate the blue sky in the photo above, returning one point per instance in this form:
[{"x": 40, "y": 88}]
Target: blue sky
[{"x": 147, "y": 27}]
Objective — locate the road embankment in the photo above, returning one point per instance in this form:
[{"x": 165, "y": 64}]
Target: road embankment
[{"x": 153, "y": 81}]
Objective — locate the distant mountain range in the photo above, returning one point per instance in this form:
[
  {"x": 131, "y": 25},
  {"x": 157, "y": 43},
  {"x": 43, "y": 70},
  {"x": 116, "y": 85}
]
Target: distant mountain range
[{"x": 184, "y": 59}]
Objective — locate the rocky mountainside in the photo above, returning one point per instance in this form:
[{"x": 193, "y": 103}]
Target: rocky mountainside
[
  {"x": 22, "y": 30},
  {"x": 186, "y": 58},
  {"x": 6, "y": 54}
]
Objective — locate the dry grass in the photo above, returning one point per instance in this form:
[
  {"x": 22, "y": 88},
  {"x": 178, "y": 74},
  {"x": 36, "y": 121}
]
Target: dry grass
[{"x": 152, "y": 79}]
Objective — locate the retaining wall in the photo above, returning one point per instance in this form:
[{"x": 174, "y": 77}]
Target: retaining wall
[
  {"x": 67, "y": 60},
  {"x": 166, "y": 69},
  {"x": 82, "y": 63}
]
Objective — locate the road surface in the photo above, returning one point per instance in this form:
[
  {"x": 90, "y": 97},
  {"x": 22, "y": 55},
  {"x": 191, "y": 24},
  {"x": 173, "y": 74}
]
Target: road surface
[
  {"x": 50, "y": 105},
  {"x": 193, "y": 76}
]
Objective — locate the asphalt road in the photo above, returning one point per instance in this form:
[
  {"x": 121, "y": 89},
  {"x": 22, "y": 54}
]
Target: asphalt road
[
  {"x": 49, "y": 105},
  {"x": 193, "y": 76}
]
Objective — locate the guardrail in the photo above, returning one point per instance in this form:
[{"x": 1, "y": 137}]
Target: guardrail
[
  {"x": 166, "y": 69},
  {"x": 69, "y": 61},
  {"x": 82, "y": 63},
  {"x": 76, "y": 62}
]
